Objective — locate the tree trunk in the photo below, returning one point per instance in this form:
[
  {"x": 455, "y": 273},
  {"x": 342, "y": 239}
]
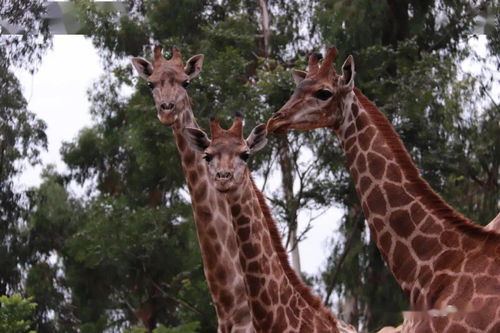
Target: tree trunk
[
  {"x": 264, "y": 22},
  {"x": 290, "y": 204}
]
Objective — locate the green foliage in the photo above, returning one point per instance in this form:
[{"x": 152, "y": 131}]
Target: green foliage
[
  {"x": 185, "y": 328},
  {"x": 22, "y": 138},
  {"x": 26, "y": 48},
  {"x": 494, "y": 32},
  {"x": 15, "y": 314}
]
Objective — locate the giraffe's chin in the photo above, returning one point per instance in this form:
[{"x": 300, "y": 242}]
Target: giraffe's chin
[
  {"x": 224, "y": 185},
  {"x": 281, "y": 130},
  {"x": 166, "y": 117}
]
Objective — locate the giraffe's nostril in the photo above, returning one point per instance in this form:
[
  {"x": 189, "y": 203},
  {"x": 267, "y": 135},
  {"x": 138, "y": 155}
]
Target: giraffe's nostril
[
  {"x": 279, "y": 115},
  {"x": 223, "y": 175},
  {"x": 167, "y": 106}
]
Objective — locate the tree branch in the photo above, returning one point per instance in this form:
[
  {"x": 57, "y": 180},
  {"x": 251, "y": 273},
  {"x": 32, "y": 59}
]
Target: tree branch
[
  {"x": 178, "y": 300},
  {"x": 335, "y": 275}
]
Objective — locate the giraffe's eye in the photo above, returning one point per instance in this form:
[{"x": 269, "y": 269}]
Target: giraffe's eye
[
  {"x": 207, "y": 157},
  {"x": 151, "y": 85},
  {"x": 185, "y": 84},
  {"x": 323, "y": 94},
  {"x": 244, "y": 156}
]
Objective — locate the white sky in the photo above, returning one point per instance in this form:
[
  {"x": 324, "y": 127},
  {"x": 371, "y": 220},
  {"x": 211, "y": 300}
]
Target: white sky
[{"x": 57, "y": 93}]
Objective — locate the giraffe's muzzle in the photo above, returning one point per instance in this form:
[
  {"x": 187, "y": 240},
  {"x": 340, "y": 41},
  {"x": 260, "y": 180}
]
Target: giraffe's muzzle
[{"x": 277, "y": 123}]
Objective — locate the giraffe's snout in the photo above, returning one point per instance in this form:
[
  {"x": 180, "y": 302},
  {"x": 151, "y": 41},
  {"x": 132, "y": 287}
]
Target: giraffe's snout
[
  {"x": 277, "y": 123},
  {"x": 224, "y": 180}
]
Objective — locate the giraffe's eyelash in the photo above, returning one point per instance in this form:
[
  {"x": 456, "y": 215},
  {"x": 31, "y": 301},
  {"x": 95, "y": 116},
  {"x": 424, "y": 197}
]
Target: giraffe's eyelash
[
  {"x": 207, "y": 157},
  {"x": 323, "y": 94},
  {"x": 245, "y": 155}
]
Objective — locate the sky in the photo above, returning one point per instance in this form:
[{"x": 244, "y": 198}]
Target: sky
[{"x": 57, "y": 93}]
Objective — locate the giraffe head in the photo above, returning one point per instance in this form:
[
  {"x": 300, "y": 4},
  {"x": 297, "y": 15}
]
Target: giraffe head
[
  {"x": 168, "y": 80},
  {"x": 316, "y": 101},
  {"x": 227, "y": 153}
]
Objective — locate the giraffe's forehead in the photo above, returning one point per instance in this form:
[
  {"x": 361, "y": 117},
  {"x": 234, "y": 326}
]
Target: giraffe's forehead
[
  {"x": 167, "y": 69},
  {"x": 227, "y": 144},
  {"x": 307, "y": 85}
]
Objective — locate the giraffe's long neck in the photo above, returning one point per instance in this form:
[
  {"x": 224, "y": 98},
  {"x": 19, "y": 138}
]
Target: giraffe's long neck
[
  {"x": 418, "y": 234},
  {"x": 215, "y": 234},
  {"x": 278, "y": 300}
]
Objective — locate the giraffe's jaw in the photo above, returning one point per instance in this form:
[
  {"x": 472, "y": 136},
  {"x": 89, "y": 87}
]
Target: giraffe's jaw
[
  {"x": 280, "y": 127},
  {"x": 283, "y": 121}
]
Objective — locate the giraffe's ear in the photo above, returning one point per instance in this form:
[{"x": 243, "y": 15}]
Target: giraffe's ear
[
  {"x": 257, "y": 139},
  {"x": 298, "y": 76},
  {"x": 197, "y": 139},
  {"x": 348, "y": 73},
  {"x": 143, "y": 67},
  {"x": 193, "y": 65}
]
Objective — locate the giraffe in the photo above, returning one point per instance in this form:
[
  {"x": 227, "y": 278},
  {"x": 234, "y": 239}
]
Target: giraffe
[
  {"x": 390, "y": 329},
  {"x": 168, "y": 80},
  {"x": 447, "y": 266},
  {"x": 279, "y": 300}
]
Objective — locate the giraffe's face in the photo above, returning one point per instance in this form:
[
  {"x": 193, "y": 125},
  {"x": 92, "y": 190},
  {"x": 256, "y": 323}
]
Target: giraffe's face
[
  {"x": 227, "y": 153},
  {"x": 317, "y": 100},
  {"x": 309, "y": 107},
  {"x": 168, "y": 80},
  {"x": 226, "y": 158}
]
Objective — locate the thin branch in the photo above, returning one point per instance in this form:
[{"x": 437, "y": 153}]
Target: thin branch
[
  {"x": 485, "y": 90},
  {"x": 306, "y": 230},
  {"x": 288, "y": 236},
  {"x": 178, "y": 300},
  {"x": 319, "y": 215},
  {"x": 335, "y": 275},
  {"x": 268, "y": 170}
]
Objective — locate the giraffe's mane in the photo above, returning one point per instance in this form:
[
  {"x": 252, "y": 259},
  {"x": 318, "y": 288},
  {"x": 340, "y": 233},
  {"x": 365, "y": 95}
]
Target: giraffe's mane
[
  {"x": 428, "y": 197},
  {"x": 304, "y": 290}
]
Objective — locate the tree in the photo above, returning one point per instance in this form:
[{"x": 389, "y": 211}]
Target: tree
[
  {"x": 22, "y": 137},
  {"x": 15, "y": 314},
  {"x": 27, "y": 47}
]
